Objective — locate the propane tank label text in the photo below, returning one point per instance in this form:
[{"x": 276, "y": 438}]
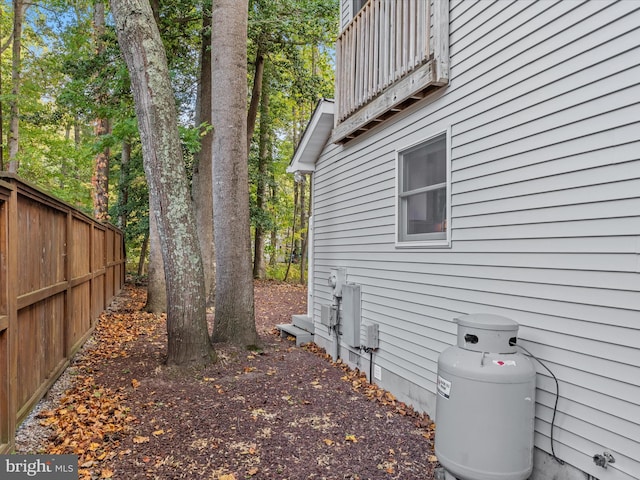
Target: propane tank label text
[
  {"x": 444, "y": 387},
  {"x": 505, "y": 363}
]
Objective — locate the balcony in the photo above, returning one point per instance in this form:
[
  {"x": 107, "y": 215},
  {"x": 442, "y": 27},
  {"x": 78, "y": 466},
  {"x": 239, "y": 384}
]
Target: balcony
[{"x": 392, "y": 54}]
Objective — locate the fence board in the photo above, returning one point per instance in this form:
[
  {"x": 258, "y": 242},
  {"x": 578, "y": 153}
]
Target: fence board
[
  {"x": 5, "y": 410},
  {"x": 58, "y": 271},
  {"x": 5, "y": 435},
  {"x": 80, "y": 265},
  {"x": 79, "y": 314}
]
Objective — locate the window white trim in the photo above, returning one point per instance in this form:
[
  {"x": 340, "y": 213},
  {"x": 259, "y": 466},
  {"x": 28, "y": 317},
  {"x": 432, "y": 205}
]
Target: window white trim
[{"x": 426, "y": 243}]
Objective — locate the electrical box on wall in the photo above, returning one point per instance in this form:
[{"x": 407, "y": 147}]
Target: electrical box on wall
[
  {"x": 337, "y": 279},
  {"x": 328, "y": 315},
  {"x": 351, "y": 314},
  {"x": 371, "y": 336}
]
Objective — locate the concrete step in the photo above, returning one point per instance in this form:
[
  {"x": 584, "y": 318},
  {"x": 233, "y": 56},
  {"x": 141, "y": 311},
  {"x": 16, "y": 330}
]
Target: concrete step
[
  {"x": 302, "y": 336},
  {"x": 304, "y": 322}
]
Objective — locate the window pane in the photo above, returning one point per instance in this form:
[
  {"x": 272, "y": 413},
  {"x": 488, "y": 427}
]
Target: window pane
[
  {"x": 357, "y": 5},
  {"x": 424, "y": 166},
  {"x": 423, "y": 196},
  {"x": 427, "y": 212}
]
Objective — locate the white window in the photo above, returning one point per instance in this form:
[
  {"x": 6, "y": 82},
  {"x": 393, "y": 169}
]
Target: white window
[{"x": 423, "y": 203}]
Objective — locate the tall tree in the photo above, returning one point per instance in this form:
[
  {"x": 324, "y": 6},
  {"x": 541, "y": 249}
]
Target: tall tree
[
  {"x": 258, "y": 75},
  {"x": 101, "y": 127},
  {"x": 234, "y": 318},
  {"x": 202, "y": 181},
  {"x": 156, "y": 280},
  {"x": 14, "y": 121},
  {"x": 290, "y": 44},
  {"x": 144, "y": 54},
  {"x": 123, "y": 196},
  {"x": 2, "y": 49},
  {"x": 264, "y": 157}
]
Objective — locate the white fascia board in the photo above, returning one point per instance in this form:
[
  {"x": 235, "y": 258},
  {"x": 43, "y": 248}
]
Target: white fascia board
[{"x": 314, "y": 138}]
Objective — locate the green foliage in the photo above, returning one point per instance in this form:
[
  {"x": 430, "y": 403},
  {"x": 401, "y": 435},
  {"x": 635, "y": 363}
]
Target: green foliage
[
  {"x": 66, "y": 85},
  {"x": 279, "y": 270},
  {"x": 297, "y": 39}
]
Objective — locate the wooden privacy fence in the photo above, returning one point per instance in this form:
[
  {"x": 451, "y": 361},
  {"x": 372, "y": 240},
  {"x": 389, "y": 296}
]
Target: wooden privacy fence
[{"x": 59, "y": 269}]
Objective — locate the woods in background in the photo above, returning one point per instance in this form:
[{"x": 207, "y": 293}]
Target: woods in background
[
  {"x": 68, "y": 120},
  {"x": 168, "y": 142}
]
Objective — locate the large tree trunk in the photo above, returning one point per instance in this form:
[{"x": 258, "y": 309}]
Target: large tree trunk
[
  {"x": 143, "y": 51},
  {"x": 14, "y": 137},
  {"x": 264, "y": 155},
  {"x": 234, "y": 319},
  {"x": 101, "y": 128},
  {"x": 156, "y": 282},
  {"x": 202, "y": 181}
]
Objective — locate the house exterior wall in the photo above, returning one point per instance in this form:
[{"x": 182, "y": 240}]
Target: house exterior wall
[
  {"x": 543, "y": 113},
  {"x": 346, "y": 14}
]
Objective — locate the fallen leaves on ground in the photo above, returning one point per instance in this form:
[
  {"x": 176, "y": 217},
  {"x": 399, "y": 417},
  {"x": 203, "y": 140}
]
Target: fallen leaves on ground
[
  {"x": 92, "y": 420},
  {"x": 359, "y": 383},
  {"x": 282, "y": 302},
  {"x": 280, "y": 412}
]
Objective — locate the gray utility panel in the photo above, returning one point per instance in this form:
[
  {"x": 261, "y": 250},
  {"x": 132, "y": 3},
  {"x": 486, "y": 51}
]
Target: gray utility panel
[
  {"x": 485, "y": 407},
  {"x": 351, "y": 314}
]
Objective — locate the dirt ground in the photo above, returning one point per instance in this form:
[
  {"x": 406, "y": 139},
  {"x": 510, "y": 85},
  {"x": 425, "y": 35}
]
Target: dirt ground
[{"x": 282, "y": 412}]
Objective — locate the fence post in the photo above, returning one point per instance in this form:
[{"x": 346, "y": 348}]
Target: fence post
[
  {"x": 5, "y": 391},
  {"x": 68, "y": 251},
  {"x": 12, "y": 273}
]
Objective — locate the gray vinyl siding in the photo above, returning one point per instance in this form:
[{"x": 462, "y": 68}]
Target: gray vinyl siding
[
  {"x": 345, "y": 13},
  {"x": 543, "y": 107}
]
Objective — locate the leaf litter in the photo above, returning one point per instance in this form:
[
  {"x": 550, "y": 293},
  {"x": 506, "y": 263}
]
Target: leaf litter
[{"x": 282, "y": 412}]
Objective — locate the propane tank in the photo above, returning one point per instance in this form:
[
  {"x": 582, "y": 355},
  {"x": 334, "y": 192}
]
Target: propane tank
[{"x": 485, "y": 407}]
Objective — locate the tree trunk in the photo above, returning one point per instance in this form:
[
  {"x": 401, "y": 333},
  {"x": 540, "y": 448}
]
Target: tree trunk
[
  {"x": 143, "y": 256},
  {"x": 292, "y": 249},
  {"x": 76, "y": 132},
  {"x": 264, "y": 155},
  {"x": 123, "y": 197},
  {"x": 156, "y": 282},
  {"x": 101, "y": 128},
  {"x": 101, "y": 175},
  {"x": 171, "y": 205},
  {"x": 273, "y": 259},
  {"x": 234, "y": 318},
  {"x": 202, "y": 181},
  {"x": 14, "y": 136},
  {"x": 252, "y": 114},
  {"x": 155, "y": 8}
]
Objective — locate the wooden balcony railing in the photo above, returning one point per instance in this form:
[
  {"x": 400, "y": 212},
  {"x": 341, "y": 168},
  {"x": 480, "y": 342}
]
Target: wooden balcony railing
[{"x": 388, "y": 56}]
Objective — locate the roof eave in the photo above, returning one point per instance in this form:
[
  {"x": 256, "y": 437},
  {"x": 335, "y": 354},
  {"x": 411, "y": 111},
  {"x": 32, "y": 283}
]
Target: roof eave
[{"x": 314, "y": 138}]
